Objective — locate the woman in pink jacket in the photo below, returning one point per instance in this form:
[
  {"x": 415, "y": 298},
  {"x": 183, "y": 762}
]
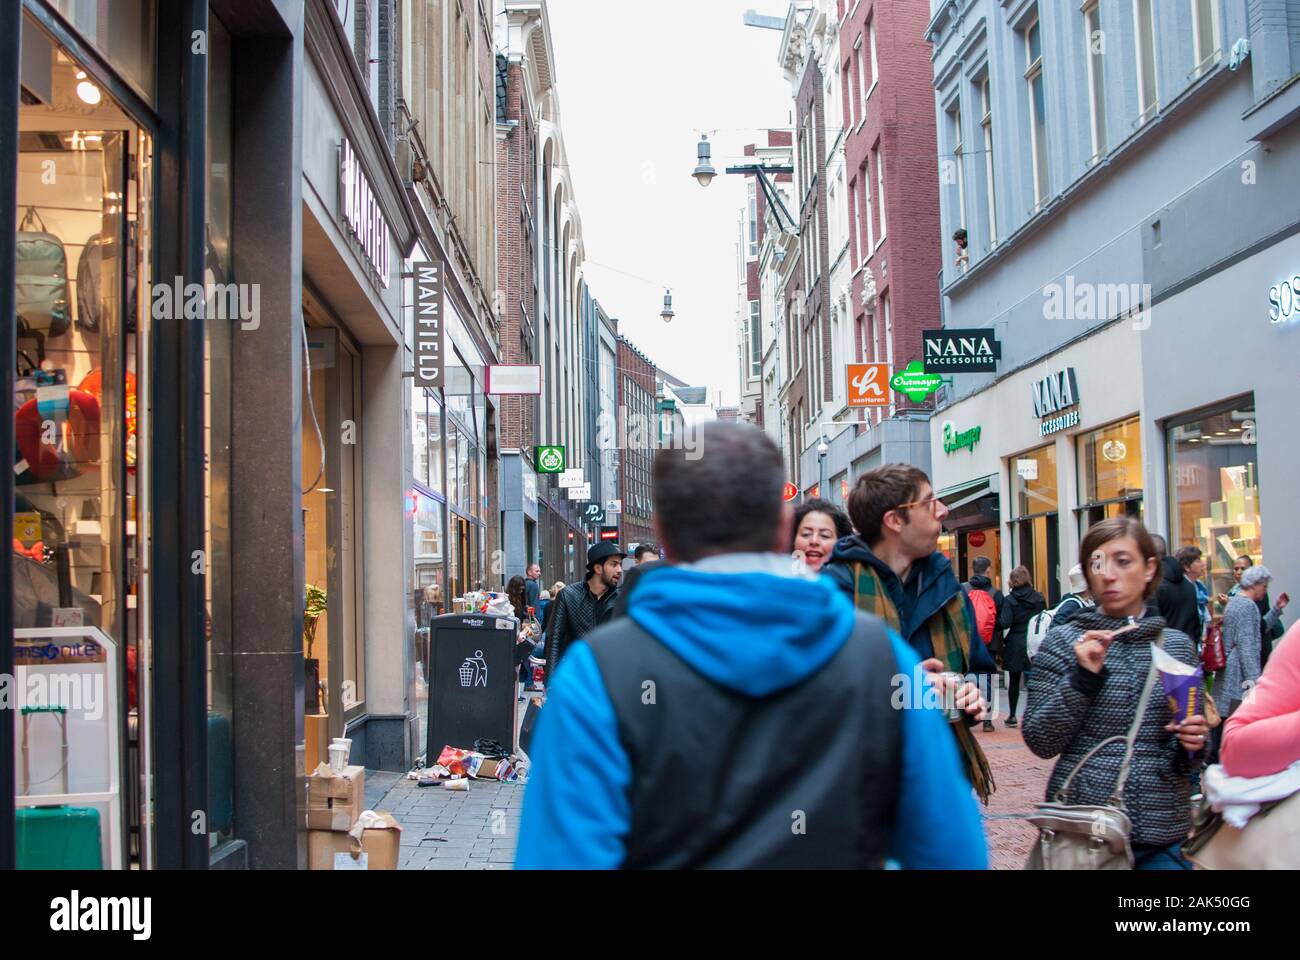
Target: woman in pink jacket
[{"x": 1263, "y": 735}]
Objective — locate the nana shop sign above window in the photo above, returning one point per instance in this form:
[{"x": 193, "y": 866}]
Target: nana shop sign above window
[
  {"x": 1056, "y": 401},
  {"x": 960, "y": 351},
  {"x": 362, "y": 214}
]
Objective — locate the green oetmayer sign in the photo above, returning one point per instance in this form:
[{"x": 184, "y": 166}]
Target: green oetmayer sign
[
  {"x": 954, "y": 441},
  {"x": 914, "y": 383}
]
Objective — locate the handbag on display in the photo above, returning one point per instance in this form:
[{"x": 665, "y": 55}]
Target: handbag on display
[
  {"x": 41, "y": 287},
  {"x": 1270, "y": 840},
  {"x": 1213, "y": 655},
  {"x": 1090, "y": 836}
]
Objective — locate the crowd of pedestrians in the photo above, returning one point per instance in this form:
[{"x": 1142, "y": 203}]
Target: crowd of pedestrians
[{"x": 734, "y": 694}]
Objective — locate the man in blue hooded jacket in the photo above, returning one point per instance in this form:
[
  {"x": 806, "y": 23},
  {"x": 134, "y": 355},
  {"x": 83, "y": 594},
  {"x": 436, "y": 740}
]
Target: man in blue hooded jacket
[{"x": 741, "y": 714}]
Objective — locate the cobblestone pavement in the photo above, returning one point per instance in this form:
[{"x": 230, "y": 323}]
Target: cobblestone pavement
[
  {"x": 1021, "y": 779},
  {"x": 478, "y": 827}
]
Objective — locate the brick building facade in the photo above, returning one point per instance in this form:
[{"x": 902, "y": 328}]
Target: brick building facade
[{"x": 638, "y": 433}]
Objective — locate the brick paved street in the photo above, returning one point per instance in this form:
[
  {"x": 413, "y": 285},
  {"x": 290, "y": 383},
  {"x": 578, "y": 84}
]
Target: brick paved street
[
  {"x": 1021, "y": 779},
  {"x": 479, "y": 827}
]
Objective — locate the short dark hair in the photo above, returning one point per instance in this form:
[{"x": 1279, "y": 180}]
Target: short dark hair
[
  {"x": 642, "y": 549},
  {"x": 881, "y": 490},
  {"x": 960, "y": 235},
  {"x": 1157, "y": 541},
  {"x": 981, "y": 565},
  {"x": 1245, "y": 556},
  {"x": 816, "y": 505},
  {"x": 1188, "y": 555},
  {"x": 723, "y": 497},
  {"x": 1113, "y": 529}
]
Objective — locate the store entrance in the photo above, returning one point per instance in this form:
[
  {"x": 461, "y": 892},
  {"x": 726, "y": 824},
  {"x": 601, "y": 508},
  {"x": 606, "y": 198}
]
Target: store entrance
[{"x": 1038, "y": 548}]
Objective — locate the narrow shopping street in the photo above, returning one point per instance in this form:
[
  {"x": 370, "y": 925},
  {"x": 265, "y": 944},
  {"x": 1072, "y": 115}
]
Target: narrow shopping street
[{"x": 1021, "y": 778}]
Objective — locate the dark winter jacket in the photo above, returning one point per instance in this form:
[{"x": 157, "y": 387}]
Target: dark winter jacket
[
  {"x": 577, "y": 611},
  {"x": 1071, "y": 710},
  {"x": 930, "y": 585},
  {"x": 1176, "y": 599},
  {"x": 1021, "y": 605}
]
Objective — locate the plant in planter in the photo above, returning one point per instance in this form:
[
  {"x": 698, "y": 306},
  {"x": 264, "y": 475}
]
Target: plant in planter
[{"x": 316, "y": 603}]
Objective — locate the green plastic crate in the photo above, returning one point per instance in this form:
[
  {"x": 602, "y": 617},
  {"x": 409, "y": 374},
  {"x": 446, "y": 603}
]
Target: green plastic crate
[{"x": 58, "y": 838}]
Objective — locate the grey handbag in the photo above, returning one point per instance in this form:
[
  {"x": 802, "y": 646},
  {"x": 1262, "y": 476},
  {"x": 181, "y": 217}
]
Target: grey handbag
[{"x": 1084, "y": 836}]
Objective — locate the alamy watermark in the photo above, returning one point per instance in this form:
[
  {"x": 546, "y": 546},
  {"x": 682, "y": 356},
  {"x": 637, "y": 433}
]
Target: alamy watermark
[
  {"x": 82, "y": 693},
  {"x": 217, "y": 301},
  {"x": 1082, "y": 300}
]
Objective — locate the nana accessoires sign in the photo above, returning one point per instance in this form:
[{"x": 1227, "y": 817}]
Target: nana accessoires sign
[
  {"x": 1054, "y": 396},
  {"x": 954, "y": 441},
  {"x": 960, "y": 351},
  {"x": 914, "y": 383}
]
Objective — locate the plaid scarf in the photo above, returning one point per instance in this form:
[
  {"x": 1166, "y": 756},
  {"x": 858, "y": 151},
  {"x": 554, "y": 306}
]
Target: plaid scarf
[{"x": 951, "y": 640}]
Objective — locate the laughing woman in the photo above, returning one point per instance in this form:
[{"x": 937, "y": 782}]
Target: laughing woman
[
  {"x": 817, "y": 525},
  {"x": 1087, "y": 680}
]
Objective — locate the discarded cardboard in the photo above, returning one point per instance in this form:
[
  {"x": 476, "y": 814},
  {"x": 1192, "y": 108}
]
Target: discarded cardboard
[
  {"x": 377, "y": 848},
  {"x": 335, "y": 800}
]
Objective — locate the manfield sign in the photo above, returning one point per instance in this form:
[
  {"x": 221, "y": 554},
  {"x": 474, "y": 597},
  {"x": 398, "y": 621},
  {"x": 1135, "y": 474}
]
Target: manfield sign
[{"x": 429, "y": 330}]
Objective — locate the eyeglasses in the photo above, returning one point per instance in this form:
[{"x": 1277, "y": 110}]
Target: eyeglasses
[{"x": 930, "y": 501}]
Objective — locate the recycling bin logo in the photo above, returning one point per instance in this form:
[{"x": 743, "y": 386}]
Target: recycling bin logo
[{"x": 473, "y": 672}]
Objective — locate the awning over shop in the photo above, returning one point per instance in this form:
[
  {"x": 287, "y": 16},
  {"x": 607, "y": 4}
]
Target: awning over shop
[
  {"x": 971, "y": 504},
  {"x": 970, "y": 491}
]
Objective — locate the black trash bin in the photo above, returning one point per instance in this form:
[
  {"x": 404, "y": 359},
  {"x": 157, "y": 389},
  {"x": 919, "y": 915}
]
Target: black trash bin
[{"x": 472, "y": 681}]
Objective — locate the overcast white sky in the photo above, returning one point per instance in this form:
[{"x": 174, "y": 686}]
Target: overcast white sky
[{"x": 637, "y": 81}]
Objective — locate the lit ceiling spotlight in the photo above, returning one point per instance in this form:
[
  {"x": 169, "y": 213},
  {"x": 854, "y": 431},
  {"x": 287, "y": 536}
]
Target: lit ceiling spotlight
[{"x": 88, "y": 92}]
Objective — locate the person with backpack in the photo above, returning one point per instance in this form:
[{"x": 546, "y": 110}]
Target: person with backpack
[
  {"x": 1021, "y": 605},
  {"x": 986, "y": 600},
  {"x": 803, "y": 763},
  {"x": 1073, "y": 603}
]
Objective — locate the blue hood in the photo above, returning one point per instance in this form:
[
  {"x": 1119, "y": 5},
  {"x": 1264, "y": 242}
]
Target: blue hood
[{"x": 755, "y": 633}]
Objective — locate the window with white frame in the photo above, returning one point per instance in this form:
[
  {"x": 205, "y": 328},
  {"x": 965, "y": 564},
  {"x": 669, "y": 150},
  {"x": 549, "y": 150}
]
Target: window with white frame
[
  {"x": 880, "y": 189},
  {"x": 1205, "y": 33},
  {"x": 889, "y": 338},
  {"x": 869, "y": 214},
  {"x": 753, "y": 220},
  {"x": 986, "y": 124},
  {"x": 958, "y": 164},
  {"x": 1037, "y": 108},
  {"x": 1094, "y": 50},
  {"x": 1145, "y": 37},
  {"x": 853, "y": 216},
  {"x": 859, "y": 83},
  {"x": 755, "y": 341},
  {"x": 875, "y": 66}
]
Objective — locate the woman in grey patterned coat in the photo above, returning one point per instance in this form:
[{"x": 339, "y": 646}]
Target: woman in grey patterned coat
[
  {"x": 1085, "y": 685},
  {"x": 1242, "y": 632}
]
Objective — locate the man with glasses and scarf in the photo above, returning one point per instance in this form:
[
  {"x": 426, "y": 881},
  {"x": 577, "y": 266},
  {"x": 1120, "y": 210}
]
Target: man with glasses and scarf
[{"x": 892, "y": 568}]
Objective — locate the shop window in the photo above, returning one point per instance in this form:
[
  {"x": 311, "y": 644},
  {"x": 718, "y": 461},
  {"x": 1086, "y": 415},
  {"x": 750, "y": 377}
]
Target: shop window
[
  {"x": 329, "y": 485},
  {"x": 1035, "y": 529},
  {"x": 122, "y": 31},
  {"x": 1110, "y": 473},
  {"x": 219, "y": 328},
  {"x": 1214, "y": 488},
  {"x": 82, "y": 240}
]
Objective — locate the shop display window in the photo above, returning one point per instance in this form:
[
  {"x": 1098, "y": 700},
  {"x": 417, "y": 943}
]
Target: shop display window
[
  {"x": 1110, "y": 473},
  {"x": 82, "y": 243},
  {"x": 1214, "y": 488},
  {"x": 122, "y": 31},
  {"x": 1035, "y": 530}
]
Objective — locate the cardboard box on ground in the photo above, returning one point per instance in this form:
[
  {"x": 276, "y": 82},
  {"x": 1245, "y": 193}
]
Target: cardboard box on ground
[
  {"x": 335, "y": 800},
  {"x": 376, "y": 850}
]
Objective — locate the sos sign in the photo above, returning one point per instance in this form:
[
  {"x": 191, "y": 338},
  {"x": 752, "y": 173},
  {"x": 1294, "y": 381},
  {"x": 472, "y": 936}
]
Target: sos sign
[{"x": 1284, "y": 300}]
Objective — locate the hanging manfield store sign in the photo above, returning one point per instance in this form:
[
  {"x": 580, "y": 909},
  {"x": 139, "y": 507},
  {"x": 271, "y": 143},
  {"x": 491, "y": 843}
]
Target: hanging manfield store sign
[
  {"x": 914, "y": 383},
  {"x": 429, "y": 331},
  {"x": 960, "y": 351},
  {"x": 1056, "y": 401},
  {"x": 954, "y": 440},
  {"x": 362, "y": 213}
]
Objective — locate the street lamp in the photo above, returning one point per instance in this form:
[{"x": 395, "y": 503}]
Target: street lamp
[
  {"x": 667, "y": 314},
  {"x": 704, "y": 171}
]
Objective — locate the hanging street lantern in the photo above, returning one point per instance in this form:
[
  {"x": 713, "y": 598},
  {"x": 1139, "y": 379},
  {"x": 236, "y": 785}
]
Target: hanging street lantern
[
  {"x": 667, "y": 314},
  {"x": 704, "y": 171}
]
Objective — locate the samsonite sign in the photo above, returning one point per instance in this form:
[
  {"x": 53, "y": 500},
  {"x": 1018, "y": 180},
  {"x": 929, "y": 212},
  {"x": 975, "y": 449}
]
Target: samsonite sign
[{"x": 960, "y": 351}]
